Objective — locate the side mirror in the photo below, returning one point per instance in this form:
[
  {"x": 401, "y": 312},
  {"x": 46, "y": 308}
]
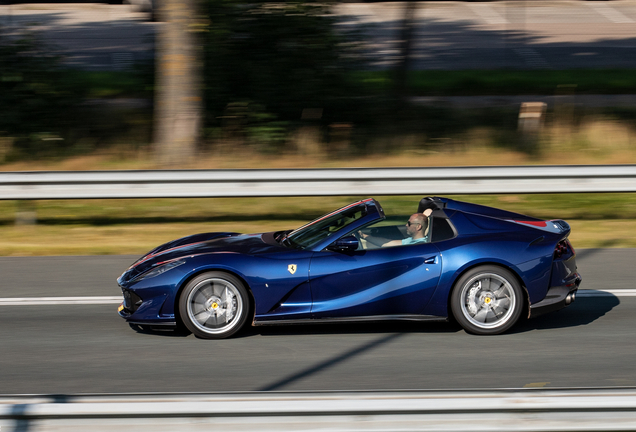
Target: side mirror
[{"x": 345, "y": 244}]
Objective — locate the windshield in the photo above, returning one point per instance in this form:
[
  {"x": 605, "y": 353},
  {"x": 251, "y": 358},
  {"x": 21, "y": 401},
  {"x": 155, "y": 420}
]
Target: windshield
[{"x": 325, "y": 226}]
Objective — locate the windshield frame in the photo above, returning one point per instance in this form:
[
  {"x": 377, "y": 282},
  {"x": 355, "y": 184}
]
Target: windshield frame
[{"x": 329, "y": 227}]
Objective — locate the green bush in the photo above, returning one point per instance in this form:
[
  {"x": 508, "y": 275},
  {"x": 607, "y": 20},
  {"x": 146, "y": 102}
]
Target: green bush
[
  {"x": 283, "y": 57},
  {"x": 39, "y": 103}
]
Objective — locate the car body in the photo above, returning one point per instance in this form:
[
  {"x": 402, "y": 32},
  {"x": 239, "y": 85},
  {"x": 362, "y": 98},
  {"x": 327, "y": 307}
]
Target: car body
[{"x": 482, "y": 266}]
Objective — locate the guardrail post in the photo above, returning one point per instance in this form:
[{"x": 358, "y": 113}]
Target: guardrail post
[
  {"x": 308, "y": 138},
  {"x": 531, "y": 118},
  {"x": 5, "y": 147},
  {"x": 26, "y": 213},
  {"x": 340, "y": 138}
]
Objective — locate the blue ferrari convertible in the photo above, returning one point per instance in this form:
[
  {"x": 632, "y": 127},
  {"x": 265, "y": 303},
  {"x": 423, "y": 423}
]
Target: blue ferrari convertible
[{"x": 482, "y": 267}]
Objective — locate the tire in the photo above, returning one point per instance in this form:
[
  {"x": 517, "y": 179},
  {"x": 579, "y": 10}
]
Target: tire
[
  {"x": 214, "y": 305},
  {"x": 487, "y": 300}
]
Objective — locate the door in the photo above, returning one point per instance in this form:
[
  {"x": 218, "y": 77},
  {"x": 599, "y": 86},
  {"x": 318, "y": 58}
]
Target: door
[{"x": 387, "y": 281}]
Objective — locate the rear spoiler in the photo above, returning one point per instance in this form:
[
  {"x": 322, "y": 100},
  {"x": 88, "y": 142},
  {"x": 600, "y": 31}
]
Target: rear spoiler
[{"x": 556, "y": 226}]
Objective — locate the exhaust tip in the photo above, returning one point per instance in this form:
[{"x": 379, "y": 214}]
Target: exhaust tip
[{"x": 570, "y": 298}]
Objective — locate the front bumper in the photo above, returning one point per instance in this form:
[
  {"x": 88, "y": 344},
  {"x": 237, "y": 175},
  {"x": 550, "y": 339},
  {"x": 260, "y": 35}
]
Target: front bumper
[
  {"x": 557, "y": 297},
  {"x": 137, "y": 311}
]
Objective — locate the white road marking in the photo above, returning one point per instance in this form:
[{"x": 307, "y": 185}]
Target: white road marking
[
  {"x": 606, "y": 293},
  {"x": 488, "y": 14},
  {"x": 41, "y": 301},
  {"x": 610, "y": 13},
  {"x": 38, "y": 301}
]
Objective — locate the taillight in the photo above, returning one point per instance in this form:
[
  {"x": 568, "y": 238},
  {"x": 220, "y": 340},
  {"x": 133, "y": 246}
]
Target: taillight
[{"x": 563, "y": 248}]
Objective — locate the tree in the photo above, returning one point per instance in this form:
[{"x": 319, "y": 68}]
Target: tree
[
  {"x": 406, "y": 49},
  {"x": 178, "y": 97},
  {"x": 283, "y": 57}
]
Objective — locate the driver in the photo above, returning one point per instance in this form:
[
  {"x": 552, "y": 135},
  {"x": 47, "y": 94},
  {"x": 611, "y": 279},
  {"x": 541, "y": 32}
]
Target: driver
[{"x": 415, "y": 229}]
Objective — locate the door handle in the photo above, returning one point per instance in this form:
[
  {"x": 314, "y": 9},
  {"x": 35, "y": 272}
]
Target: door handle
[{"x": 431, "y": 260}]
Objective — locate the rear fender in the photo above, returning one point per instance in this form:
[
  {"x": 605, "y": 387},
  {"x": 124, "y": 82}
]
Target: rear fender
[
  {"x": 533, "y": 275},
  {"x": 520, "y": 281}
]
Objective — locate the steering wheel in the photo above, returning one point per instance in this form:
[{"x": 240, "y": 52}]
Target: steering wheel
[{"x": 362, "y": 243}]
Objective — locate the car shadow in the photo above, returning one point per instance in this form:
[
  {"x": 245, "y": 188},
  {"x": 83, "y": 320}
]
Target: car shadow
[
  {"x": 583, "y": 311},
  {"x": 316, "y": 329},
  {"x": 160, "y": 331},
  {"x": 352, "y": 328}
]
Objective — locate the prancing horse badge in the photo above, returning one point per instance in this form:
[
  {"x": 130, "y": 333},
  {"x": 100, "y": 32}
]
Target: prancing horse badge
[{"x": 292, "y": 268}]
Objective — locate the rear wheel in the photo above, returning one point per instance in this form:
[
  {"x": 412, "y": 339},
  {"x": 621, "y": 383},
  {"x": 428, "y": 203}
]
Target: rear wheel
[
  {"x": 487, "y": 300},
  {"x": 214, "y": 305}
]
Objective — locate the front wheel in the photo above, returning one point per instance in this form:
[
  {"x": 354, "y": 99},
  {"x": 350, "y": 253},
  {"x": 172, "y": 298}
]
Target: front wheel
[
  {"x": 214, "y": 305},
  {"x": 487, "y": 300}
]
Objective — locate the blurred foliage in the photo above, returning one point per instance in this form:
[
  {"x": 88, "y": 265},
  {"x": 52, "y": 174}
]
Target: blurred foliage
[
  {"x": 282, "y": 58},
  {"x": 50, "y": 110},
  {"x": 38, "y": 102},
  {"x": 478, "y": 82},
  {"x": 264, "y": 64}
]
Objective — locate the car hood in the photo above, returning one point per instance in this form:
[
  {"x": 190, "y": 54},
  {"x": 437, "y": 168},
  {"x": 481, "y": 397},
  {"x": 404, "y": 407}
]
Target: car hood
[{"x": 198, "y": 244}]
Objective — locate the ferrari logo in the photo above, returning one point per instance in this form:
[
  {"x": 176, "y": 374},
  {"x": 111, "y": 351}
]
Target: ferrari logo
[{"x": 292, "y": 268}]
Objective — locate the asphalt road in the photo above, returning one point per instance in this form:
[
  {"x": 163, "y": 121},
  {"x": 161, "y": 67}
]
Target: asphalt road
[
  {"x": 62, "y": 349},
  {"x": 558, "y": 34}
]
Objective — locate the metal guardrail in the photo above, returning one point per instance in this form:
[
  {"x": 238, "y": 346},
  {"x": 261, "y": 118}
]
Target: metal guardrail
[
  {"x": 497, "y": 410},
  {"x": 316, "y": 182}
]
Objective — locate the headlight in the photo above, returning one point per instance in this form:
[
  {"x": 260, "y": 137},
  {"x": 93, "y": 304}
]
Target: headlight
[{"x": 156, "y": 271}]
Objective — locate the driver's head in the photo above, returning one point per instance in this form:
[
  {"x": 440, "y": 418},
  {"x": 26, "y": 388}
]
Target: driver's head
[{"x": 416, "y": 226}]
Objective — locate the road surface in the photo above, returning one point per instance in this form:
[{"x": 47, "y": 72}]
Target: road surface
[{"x": 67, "y": 349}]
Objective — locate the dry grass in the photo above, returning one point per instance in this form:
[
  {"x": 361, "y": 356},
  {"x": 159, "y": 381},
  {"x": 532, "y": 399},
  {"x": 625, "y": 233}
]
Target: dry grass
[
  {"x": 582, "y": 154},
  {"x": 603, "y": 233},
  {"x": 599, "y": 140},
  {"x": 595, "y": 140},
  {"x": 40, "y": 240},
  {"x": 592, "y": 140},
  {"x": 109, "y": 161}
]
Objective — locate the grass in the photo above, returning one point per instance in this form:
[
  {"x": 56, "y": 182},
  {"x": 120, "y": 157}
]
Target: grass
[
  {"x": 135, "y": 239},
  {"x": 435, "y": 82},
  {"x": 108, "y": 84},
  {"x": 618, "y": 206},
  {"x": 104, "y": 227},
  {"x": 507, "y": 82}
]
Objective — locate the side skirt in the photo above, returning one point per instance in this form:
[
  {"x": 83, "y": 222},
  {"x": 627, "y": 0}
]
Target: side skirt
[
  {"x": 257, "y": 322},
  {"x": 168, "y": 324}
]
